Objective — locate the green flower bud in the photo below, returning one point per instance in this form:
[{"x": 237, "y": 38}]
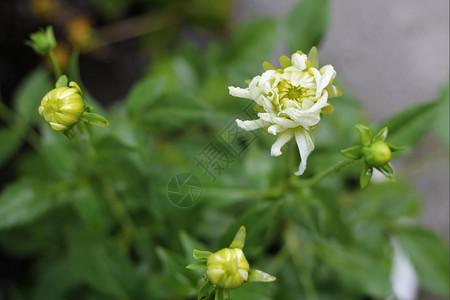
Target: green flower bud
[
  {"x": 227, "y": 268},
  {"x": 63, "y": 107},
  {"x": 42, "y": 41},
  {"x": 378, "y": 154}
]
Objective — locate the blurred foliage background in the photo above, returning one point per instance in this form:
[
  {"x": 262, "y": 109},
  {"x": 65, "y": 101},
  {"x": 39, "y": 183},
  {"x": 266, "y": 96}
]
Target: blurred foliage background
[{"x": 75, "y": 225}]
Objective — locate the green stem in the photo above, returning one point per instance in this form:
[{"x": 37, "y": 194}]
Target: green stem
[
  {"x": 294, "y": 249},
  {"x": 55, "y": 64},
  {"x": 333, "y": 169},
  {"x": 85, "y": 143},
  {"x": 117, "y": 207}
]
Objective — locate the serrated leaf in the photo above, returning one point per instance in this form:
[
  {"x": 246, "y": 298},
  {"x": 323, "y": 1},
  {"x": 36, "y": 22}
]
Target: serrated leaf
[
  {"x": 305, "y": 24},
  {"x": 29, "y": 93},
  {"x": 430, "y": 256}
]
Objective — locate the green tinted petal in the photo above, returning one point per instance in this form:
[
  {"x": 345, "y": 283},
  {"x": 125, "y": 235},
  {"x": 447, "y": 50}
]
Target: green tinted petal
[
  {"x": 285, "y": 62},
  {"x": 313, "y": 57},
  {"x": 333, "y": 91},
  {"x": 268, "y": 66}
]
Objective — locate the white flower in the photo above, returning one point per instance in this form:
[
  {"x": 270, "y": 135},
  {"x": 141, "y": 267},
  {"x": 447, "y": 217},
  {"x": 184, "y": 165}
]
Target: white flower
[{"x": 289, "y": 101}]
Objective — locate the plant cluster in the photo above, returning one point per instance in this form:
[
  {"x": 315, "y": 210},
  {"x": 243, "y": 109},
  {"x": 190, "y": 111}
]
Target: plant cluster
[{"x": 176, "y": 169}]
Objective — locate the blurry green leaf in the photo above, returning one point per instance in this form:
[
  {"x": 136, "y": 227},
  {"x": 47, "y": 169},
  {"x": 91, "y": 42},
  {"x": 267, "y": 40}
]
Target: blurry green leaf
[
  {"x": 178, "y": 277},
  {"x": 429, "y": 255},
  {"x": 206, "y": 292},
  {"x": 407, "y": 127},
  {"x": 358, "y": 271},
  {"x": 174, "y": 111},
  {"x": 29, "y": 93},
  {"x": 99, "y": 263},
  {"x": 26, "y": 200},
  {"x": 259, "y": 221},
  {"x": 251, "y": 44},
  {"x": 145, "y": 93},
  {"x": 383, "y": 204},
  {"x": 305, "y": 24},
  {"x": 10, "y": 141},
  {"x": 442, "y": 115},
  {"x": 190, "y": 244}
]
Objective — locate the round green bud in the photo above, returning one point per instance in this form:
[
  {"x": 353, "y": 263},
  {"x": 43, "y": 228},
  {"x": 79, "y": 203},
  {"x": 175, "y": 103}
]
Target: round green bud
[
  {"x": 378, "y": 154},
  {"x": 62, "y": 107},
  {"x": 227, "y": 268}
]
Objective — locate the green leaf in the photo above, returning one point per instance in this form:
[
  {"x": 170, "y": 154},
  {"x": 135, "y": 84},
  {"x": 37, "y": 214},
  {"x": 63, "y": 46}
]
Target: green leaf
[
  {"x": 177, "y": 276},
  {"x": 441, "y": 124},
  {"x": 430, "y": 256},
  {"x": 207, "y": 290},
  {"x": 410, "y": 125},
  {"x": 10, "y": 141},
  {"x": 348, "y": 264},
  {"x": 26, "y": 200},
  {"x": 29, "y": 93},
  {"x": 145, "y": 93},
  {"x": 305, "y": 24}
]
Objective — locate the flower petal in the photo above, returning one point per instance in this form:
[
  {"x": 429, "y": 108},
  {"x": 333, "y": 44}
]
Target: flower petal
[
  {"x": 252, "y": 124},
  {"x": 280, "y": 142},
  {"x": 305, "y": 145},
  {"x": 239, "y": 92},
  {"x": 274, "y": 119}
]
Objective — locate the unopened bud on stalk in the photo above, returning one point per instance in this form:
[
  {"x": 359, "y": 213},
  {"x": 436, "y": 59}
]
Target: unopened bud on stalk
[
  {"x": 227, "y": 268},
  {"x": 62, "y": 107},
  {"x": 378, "y": 154}
]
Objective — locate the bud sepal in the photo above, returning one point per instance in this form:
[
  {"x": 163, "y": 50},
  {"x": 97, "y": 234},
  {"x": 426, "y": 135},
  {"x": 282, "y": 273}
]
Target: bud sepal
[{"x": 375, "y": 151}]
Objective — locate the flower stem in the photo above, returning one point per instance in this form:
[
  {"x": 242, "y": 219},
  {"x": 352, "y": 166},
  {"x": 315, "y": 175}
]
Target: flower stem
[
  {"x": 294, "y": 249},
  {"x": 55, "y": 64},
  {"x": 316, "y": 179}
]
